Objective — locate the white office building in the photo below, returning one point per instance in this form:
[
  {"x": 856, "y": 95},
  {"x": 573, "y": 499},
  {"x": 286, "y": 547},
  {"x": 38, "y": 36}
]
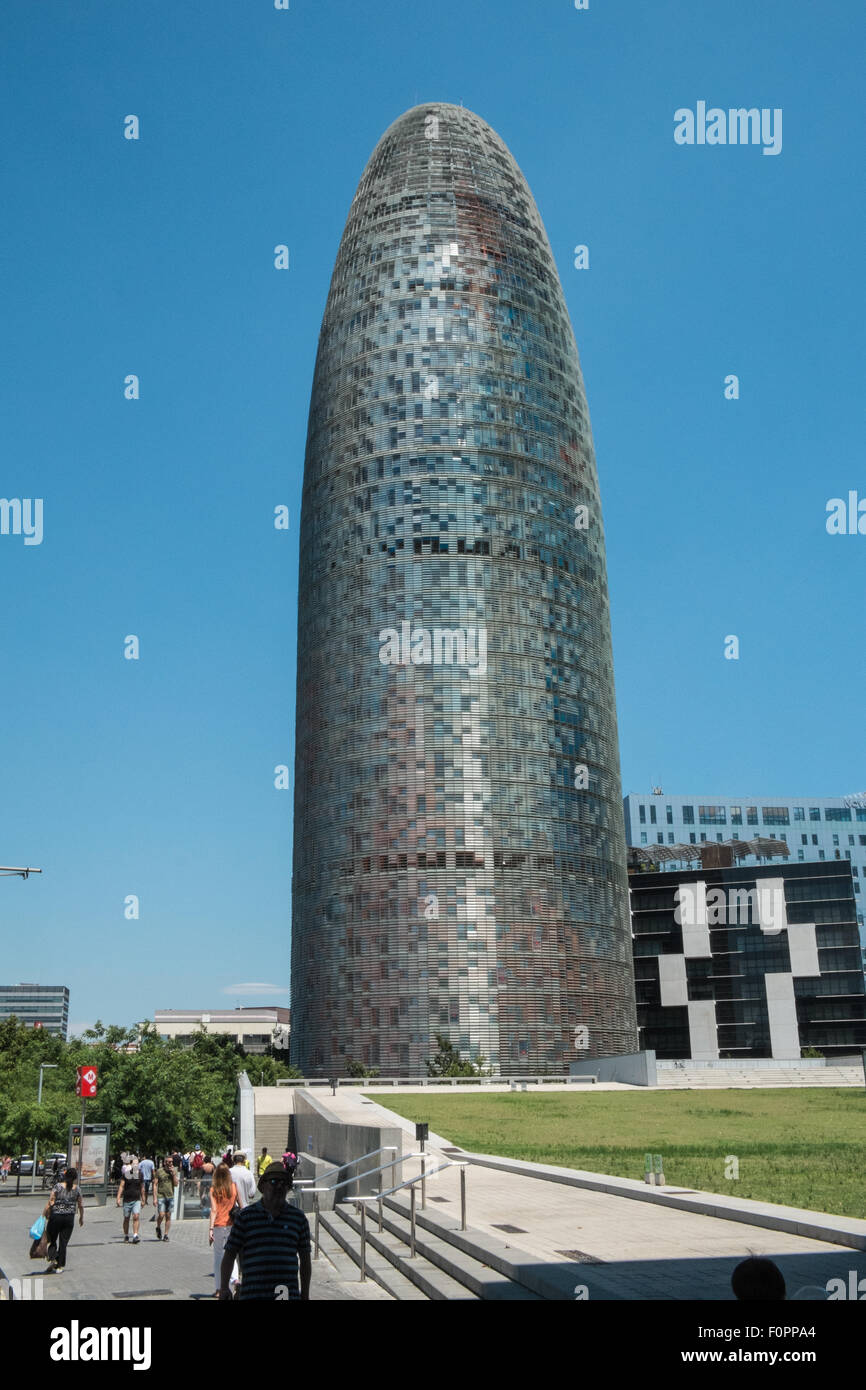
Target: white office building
[{"x": 814, "y": 828}]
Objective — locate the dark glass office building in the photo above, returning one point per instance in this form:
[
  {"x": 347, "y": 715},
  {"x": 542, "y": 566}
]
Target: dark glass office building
[
  {"x": 39, "y": 1006},
  {"x": 748, "y": 961},
  {"x": 459, "y": 861}
]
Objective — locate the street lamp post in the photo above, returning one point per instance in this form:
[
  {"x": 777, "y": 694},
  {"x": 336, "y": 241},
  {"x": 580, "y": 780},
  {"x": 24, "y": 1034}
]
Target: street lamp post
[{"x": 43, "y": 1066}]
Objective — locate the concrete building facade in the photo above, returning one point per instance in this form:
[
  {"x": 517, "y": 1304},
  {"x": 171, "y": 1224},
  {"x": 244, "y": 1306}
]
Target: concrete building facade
[{"x": 257, "y": 1028}]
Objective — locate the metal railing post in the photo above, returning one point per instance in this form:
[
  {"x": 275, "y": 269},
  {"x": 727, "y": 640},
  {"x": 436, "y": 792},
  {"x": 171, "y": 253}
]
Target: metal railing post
[
  {"x": 412, "y": 1222},
  {"x": 463, "y": 1196},
  {"x": 363, "y": 1206},
  {"x": 423, "y": 1183},
  {"x": 316, "y": 1210},
  {"x": 379, "y": 1195}
]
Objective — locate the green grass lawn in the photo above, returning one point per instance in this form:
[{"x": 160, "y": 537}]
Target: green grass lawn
[{"x": 801, "y": 1148}]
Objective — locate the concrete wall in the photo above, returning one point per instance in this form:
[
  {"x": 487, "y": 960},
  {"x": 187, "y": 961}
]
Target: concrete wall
[
  {"x": 320, "y": 1134},
  {"x": 245, "y": 1115},
  {"x": 631, "y": 1069}
]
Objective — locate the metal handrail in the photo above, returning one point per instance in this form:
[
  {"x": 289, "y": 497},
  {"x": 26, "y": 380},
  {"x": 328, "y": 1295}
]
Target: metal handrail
[
  {"x": 385, "y": 1148},
  {"x": 314, "y": 1191},
  {"x": 411, "y": 1183},
  {"x": 369, "y": 1174}
]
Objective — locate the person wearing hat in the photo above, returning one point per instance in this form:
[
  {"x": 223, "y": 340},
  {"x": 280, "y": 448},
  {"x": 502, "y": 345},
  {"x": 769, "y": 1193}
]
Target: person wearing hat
[{"x": 271, "y": 1241}]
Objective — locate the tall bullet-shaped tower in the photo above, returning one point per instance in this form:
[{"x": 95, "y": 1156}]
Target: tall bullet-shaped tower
[{"x": 459, "y": 862}]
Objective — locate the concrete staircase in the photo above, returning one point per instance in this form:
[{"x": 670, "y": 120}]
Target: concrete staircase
[
  {"x": 708, "y": 1078},
  {"x": 448, "y": 1264}
]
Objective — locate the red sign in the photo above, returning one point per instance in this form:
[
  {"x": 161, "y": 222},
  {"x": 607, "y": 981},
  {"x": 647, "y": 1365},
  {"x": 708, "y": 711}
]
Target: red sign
[
  {"x": 37, "y": 1024},
  {"x": 86, "y": 1082}
]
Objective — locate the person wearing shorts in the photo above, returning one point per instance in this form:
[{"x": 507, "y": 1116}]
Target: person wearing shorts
[
  {"x": 166, "y": 1181},
  {"x": 129, "y": 1196}
]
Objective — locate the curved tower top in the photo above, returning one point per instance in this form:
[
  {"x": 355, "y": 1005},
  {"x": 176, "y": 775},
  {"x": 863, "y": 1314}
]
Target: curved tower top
[{"x": 459, "y": 843}]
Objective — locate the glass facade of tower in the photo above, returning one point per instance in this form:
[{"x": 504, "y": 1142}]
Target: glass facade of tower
[{"x": 459, "y": 863}]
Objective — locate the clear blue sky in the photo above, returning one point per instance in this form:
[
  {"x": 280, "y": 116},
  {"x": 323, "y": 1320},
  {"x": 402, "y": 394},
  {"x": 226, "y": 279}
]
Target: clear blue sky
[{"x": 155, "y": 257}]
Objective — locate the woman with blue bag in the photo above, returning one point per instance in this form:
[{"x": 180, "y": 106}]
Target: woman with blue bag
[{"x": 64, "y": 1200}]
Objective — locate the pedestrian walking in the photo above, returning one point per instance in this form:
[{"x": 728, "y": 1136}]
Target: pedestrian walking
[
  {"x": 243, "y": 1180},
  {"x": 145, "y": 1172},
  {"x": 290, "y": 1162},
  {"x": 271, "y": 1241},
  {"x": 4, "y": 1167},
  {"x": 129, "y": 1196},
  {"x": 166, "y": 1181},
  {"x": 223, "y": 1200},
  {"x": 265, "y": 1160},
  {"x": 65, "y": 1199}
]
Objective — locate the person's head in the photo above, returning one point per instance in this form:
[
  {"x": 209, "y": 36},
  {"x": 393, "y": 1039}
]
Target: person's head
[
  {"x": 239, "y": 1160},
  {"x": 758, "y": 1280},
  {"x": 70, "y": 1177},
  {"x": 275, "y": 1184},
  {"x": 264, "y": 1149},
  {"x": 222, "y": 1180},
  {"x": 167, "y": 1160}
]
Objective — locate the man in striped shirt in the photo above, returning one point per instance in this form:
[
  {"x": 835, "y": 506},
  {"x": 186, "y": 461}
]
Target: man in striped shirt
[{"x": 270, "y": 1240}]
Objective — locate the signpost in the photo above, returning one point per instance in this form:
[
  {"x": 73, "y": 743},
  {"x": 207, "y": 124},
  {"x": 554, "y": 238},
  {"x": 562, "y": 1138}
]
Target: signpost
[{"x": 92, "y": 1149}]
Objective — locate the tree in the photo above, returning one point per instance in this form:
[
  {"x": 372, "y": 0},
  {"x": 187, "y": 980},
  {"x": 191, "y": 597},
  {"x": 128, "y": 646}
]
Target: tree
[
  {"x": 354, "y": 1068},
  {"x": 448, "y": 1062}
]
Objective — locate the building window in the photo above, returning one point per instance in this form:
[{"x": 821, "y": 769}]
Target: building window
[
  {"x": 799, "y": 813},
  {"x": 801, "y": 855},
  {"x": 837, "y": 813},
  {"x": 814, "y": 839},
  {"x": 712, "y": 815},
  {"x": 776, "y": 815},
  {"x": 850, "y": 839},
  {"x": 643, "y": 837},
  {"x": 703, "y": 836},
  {"x": 670, "y": 837},
  {"x": 736, "y": 815},
  {"x": 814, "y": 813},
  {"x": 641, "y": 810},
  {"x": 652, "y": 815},
  {"x": 804, "y": 839},
  {"x": 660, "y": 837},
  {"x": 751, "y": 815},
  {"x": 820, "y": 854},
  {"x": 669, "y": 813},
  {"x": 688, "y": 815},
  {"x": 692, "y": 839}
]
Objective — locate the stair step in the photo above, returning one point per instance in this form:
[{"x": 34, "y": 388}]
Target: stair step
[
  {"x": 379, "y": 1268},
  {"x": 431, "y": 1276},
  {"x": 473, "y": 1273},
  {"x": 344, "y": 1266}
]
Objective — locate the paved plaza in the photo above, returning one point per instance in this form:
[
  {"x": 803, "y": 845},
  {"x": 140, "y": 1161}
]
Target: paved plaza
[{"x": 101, "y": 1266}]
